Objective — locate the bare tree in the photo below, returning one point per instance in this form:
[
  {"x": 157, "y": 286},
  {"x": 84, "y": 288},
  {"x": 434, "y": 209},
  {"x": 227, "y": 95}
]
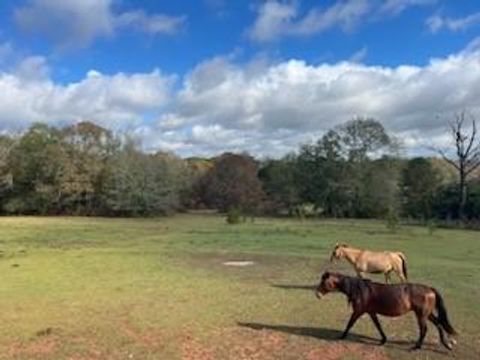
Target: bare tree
[{"x": 467, "y": 156}]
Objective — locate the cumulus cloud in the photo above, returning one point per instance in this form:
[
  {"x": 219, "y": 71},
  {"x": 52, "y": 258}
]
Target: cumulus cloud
[
  {"x": 77, "y": 23},
  {"x": 279, "y": 18},
  {"x": 263, "y": 108},
  {"x": 281, "y": 104},
  {"x": 437, "y": 23},
  {"x": 120, "y": 101}
]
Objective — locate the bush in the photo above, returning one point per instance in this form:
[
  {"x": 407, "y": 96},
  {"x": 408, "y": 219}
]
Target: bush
[
  {"x": 392, "y": 220},
  {"x": 234, "y": 216},
  {"x": 305, "y": 210},
  {"x": 432, "y": 226}
]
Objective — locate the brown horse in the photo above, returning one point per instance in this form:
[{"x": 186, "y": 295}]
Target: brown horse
[
  {"x": 373, "y": 298},
  {"x": 365, "y": 261}
]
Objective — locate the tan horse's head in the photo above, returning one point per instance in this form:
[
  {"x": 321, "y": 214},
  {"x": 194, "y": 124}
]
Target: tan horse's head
[{"x": 338, "y": 252}]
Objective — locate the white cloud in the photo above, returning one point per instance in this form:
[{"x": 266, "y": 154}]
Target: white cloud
[
  {"x": 274, "y": 19},
  {"x": 360, "y": 55},
  {"x": 120, "y": 101},
  {"x": 264, "y": 108},
  {"x": 273, "y": 108},
  {"x": 282, "y": 18},
  {"x": 71, "y": 23},
  {"x": 396, "y": 7},
  {"x": 77, "y": 23},
  {"x": 151, "y": 24},
  {"x": 33, "y": 68},
  {"x": 277, "y": 18},
  {"x": 437, "y": 23}
]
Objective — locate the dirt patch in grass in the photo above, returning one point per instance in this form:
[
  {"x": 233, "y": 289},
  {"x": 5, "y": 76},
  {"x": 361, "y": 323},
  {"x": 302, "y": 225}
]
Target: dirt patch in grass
[
  {"x": 193, "y": 349},
  {"x": 44, "y": 346},
  {"x": 246, "y": 344},
  {"x": 150, "y": 339},
  {"x": 338, "y": 350}
]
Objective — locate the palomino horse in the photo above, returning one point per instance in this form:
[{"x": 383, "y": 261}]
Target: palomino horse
[
  {"x": 373, "y": 298},
  {"x": 365, "y": 261}
]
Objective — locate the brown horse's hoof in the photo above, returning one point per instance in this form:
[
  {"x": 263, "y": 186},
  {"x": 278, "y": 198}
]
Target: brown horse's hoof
[
  {"x": 449, "y": 344},
  {"x": 416, "y": 347}
]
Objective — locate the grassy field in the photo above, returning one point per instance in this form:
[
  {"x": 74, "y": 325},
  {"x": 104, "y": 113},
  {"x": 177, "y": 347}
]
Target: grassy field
[{"x": 93, "y": 288}]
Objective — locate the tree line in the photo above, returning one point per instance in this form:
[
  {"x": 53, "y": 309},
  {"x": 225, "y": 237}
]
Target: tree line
[{"x": 354, "y": 170}]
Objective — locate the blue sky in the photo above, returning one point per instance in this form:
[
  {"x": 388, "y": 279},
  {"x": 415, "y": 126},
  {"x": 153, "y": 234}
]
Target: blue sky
[{"x": 206, "y": 76}]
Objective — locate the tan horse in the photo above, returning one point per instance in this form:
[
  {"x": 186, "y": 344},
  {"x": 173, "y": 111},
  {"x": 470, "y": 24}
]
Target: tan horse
[{"x": 365, "y": 261}]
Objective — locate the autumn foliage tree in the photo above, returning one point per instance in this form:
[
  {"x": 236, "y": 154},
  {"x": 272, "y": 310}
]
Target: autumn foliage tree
[{"x": 233, "y": 183}]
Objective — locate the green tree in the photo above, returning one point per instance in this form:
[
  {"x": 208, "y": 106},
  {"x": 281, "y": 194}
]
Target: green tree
[
  {"x": 140, "y": 184},
  {"x": 34, "y": 164},
  {"x": 320, "y": 175},
  {"x": 6, "y": 180},
  {"x": 420, "y": 184},
  {"x": 337, "y": 173},
  {"x": 87, "y": 151},
  {"x": 279, "y": 183},
  {"x": 379, "y": 194}
]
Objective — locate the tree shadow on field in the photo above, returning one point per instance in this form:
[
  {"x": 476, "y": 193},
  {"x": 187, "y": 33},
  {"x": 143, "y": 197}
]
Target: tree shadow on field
[{"x": 334, "y": 335}]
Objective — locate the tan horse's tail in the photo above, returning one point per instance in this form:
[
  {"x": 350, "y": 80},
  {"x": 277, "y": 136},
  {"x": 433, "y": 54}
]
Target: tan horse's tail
[{"x": 404, "y": 264}]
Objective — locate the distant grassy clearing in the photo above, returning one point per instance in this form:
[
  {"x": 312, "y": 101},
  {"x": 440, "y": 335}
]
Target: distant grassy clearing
[{"x": 94, "y": 288}]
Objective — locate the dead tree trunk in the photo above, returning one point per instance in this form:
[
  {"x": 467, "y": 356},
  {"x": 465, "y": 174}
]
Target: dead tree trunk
[{"x": 467, "y": 157}]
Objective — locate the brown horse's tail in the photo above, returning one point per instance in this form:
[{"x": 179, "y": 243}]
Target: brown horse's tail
[
  {"x": 442, "y": 314},
  {"x": 404, "y": 264}
]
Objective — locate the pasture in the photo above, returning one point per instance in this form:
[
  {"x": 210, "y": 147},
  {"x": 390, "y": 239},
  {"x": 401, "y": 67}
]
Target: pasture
[{"x": 94, "y": 288}]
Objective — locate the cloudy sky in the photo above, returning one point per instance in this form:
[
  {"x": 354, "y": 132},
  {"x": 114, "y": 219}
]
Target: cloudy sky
[{"x": 206, "y": 76}]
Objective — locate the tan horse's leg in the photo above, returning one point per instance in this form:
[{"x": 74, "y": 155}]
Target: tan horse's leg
[
  {"x": 398, "y": 268},
  {"x": 387, "y": 277}
]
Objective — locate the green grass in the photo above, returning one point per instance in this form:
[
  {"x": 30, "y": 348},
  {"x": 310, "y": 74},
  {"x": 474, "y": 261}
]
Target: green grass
[{"x": 94, "y": 288}]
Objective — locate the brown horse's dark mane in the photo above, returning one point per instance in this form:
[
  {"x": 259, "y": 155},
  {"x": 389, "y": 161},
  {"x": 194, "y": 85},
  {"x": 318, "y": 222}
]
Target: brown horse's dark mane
[{"x": 355, "y": 289}]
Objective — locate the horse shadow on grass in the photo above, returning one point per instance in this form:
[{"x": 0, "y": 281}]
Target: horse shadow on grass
[
  {"x": 293, "y": 287},
  {"x": 334, "y": 335}
]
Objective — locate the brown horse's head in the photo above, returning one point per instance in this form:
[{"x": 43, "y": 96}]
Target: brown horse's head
[
  {"x": 338, "y": 252},
  {"x": 328, "y": 283}
]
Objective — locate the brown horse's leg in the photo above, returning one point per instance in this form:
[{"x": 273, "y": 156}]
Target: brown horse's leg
[
  {"x": 374, "y": 318},
  {"x": 444, "y": 341},
  {"x": 422, "y": 325},
  {"x": 351, "y": 322}
]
